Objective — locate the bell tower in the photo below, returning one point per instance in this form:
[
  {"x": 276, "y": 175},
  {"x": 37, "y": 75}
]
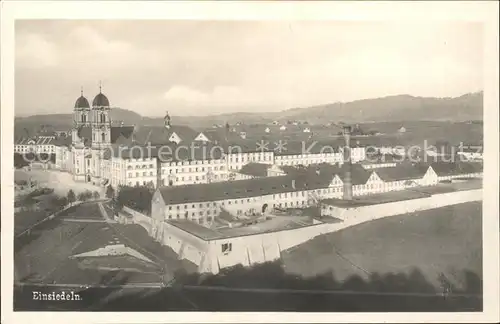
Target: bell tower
[
  {"x": 81, "y": 116},
  {"x": 167, "y": 120},
  {"x": 101, "y": 121}
]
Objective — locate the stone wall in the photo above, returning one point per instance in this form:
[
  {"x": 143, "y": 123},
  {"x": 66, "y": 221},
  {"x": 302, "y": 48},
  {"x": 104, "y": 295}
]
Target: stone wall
[{"x": 258, "y": 248}]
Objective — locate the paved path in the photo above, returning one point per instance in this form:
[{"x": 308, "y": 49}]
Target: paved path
[
  {"x": 83, "y": 220},
  {"x": 104, "y": 214}
]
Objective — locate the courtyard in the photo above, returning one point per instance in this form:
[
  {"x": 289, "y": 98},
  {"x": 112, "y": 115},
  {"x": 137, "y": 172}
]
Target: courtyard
[{"x": 60, "y": 181}]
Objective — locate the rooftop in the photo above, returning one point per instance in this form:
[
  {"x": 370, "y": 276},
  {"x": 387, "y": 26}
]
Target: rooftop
[
  {"x": 413, "y": 193},
  {"x": 255, "y": 169},
  {"x": 375, "y": 199},
  {"x": 403, "y": 171},
  {"x": 275, "y": 224},
  {"x": 243, "y": 188}
]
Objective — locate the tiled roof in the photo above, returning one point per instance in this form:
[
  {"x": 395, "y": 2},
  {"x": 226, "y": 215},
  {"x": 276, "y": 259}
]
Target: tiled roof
[
  {"x": 241, "y": 188},
  {"x": 63, "y": 141},
  {"x": 39, "y": 140},
  {"x": 310, "y": 147},
  {"x": 220, "y": 135},
  {"x": 255, "y": 169},
  {"x": 359, "y": 175},
  {"x": 401, "y": 172},
  {"x": 124, "y": 131},
  {"x": 447, "y": 169},
  {"x": 160, "y": 135}
]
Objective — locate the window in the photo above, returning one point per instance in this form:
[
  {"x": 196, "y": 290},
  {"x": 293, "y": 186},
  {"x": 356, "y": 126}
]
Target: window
[{"x": 227, "y": 247}]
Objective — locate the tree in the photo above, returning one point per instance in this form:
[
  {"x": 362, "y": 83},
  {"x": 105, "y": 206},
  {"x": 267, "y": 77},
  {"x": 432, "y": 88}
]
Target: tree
[
  {"x": 82, "y": 196},
  {"x": 71, "y": 197},
  {"x": 88, "y": 194},
  {"x": 96, "y": 195},
  {"x": 151, "y": 186},
  {"x": 138, "y": 198},
  {"x": 110, "y": 192}
]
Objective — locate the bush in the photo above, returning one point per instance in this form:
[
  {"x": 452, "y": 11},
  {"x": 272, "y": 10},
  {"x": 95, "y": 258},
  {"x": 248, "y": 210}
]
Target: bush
[{"x": 110, "y": 192}]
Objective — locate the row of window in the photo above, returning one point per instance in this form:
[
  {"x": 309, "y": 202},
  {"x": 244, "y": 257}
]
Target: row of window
[
  {"x": 250, "y": 159},
  {"x": 208, "y": 213},
  {"x": 139, "y": 166},
  {"x": 313, "y": 155},
  {"x": 196, "y": 169},
  {"x": 144, "y": 174},
  {"x": 138, "y": 183}
]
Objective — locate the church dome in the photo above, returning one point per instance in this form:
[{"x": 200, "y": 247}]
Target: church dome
[
  {"x": 82, "y": 102},
  {"x": 100, "y": 101}
]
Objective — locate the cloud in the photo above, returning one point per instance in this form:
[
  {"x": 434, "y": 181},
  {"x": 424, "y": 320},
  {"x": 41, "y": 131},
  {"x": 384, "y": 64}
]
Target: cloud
[
  {"x": 192, "y": 67},
  {"x": 34, "y": 52},
  {"x": 219, "y": 96}
]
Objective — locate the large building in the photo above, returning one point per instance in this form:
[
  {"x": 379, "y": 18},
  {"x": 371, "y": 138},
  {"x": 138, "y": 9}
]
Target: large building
[{"x": 102, "y": 153}]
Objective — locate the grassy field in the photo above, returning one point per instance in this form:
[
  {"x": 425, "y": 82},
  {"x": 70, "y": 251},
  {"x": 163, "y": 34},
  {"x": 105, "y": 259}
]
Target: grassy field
[
  {"x": 44, "y": 255},
  {"x": 445, "y": 240}
]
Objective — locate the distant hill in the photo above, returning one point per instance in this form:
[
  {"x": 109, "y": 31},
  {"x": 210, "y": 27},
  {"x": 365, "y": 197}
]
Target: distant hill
[
  {"x": 395, "y": 108},
  {"x": 387, "y": 109}
]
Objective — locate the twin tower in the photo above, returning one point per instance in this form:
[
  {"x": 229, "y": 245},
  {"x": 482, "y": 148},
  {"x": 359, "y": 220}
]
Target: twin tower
[{"x": 96, "y": 119}]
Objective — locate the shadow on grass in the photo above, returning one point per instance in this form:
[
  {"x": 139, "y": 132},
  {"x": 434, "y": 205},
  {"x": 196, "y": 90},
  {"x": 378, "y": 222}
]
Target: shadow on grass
[{"x": 266, "y": 287}]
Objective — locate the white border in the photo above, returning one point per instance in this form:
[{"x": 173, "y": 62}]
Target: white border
[{"x": 486, "y": 12}]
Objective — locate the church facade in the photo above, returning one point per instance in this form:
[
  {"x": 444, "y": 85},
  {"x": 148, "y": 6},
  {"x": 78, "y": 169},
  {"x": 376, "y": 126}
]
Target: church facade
[{"x": 90, "y": 136}]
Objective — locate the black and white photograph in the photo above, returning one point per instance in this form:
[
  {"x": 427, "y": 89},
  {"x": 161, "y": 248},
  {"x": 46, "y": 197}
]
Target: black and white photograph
[{"x": 295, "y": 166}]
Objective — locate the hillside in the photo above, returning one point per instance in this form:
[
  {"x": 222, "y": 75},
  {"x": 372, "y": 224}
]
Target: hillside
[
  {"x": 387, "y": 109},
  {"x": 395, "y": 108}
]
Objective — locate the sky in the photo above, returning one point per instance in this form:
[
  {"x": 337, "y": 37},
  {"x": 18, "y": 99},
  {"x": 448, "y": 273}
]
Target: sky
[{"x": 196, "y": 68}]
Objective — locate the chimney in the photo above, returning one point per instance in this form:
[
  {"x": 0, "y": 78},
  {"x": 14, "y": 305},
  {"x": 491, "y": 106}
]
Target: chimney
[
  {"x": 347, "y": 164},
  {"x": 293, "y": 183}
]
